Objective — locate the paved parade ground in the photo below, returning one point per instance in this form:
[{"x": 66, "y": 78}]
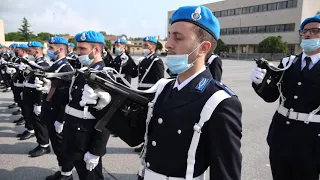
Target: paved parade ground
[{"x": 121, "y": 162}]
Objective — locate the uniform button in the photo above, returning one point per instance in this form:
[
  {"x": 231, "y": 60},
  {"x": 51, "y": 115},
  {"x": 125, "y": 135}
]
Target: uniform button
[
  {"x": 82, "y": 89},
  {"x": 76, "y": 87},
  {"x": 319, "y": 135},
  {"x": 179, "y": 131},
  {"x": 299, "y": 83},
  {"x": 295, "y": 97},
  {"x": 78, "y": 129},
  {"x": 291, "y": 109},
  {"x": 288, "y": 122},
  {"x": 154, "y": 143},
  {"x": 140, "y": 67},
  {"x": 148, "y": 164},
  {"x": 139, "y": 74},
  {"x": 51, "y": 108},
  {"x": 160, "y": 120}
]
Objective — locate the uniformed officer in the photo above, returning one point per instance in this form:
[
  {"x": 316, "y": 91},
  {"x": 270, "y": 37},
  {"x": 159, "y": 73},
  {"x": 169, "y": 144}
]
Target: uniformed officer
[
  {"x": 32, "y": 101},
  {"x": 5, "y": 57},
  {"x": 83, "y": 145},
  {"x": 214, "y": 63},
  {"x": 53, "y": 105},
  {"x": 123, "y": 63},
  {"x": 18, "y": 78},
  {"x": 11, "y": 71},
  {"x": 73, "y": 59},
  {"x": 149, "y": 70},
  {"x": 294, "y": 134},
  {"x": 194, "y": 122}
]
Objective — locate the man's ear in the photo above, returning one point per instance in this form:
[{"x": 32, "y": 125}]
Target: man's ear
[{"x": 205, "y": 48}]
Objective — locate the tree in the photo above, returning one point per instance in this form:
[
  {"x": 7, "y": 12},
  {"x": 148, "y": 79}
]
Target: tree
[
  {"x": 108, "y": 44},
  {"x": 221, "y": 47},
  {"x": 103, "y": 33},
  {"x": 13, "y": 36},
  {"x": 73, "y": 40},
  {"x": 24, "y": 30},
  {"x": 318, "y": 12},
  {"x": 159, "y": 46},
  {"x": 44, "y": 36},
  {"x": 273, "y": 45}
]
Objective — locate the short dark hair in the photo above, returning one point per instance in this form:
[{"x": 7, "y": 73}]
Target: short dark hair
[{"x": 203, "y": 35}]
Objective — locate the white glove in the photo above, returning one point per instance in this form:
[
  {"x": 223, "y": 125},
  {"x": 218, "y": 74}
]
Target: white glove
[
  {"x": 58, "y": 126},
  {"x": 22, "y": 66},
  {"x": 37, "y": 110},
  {"x": 91, "y": 161},
  {"x": 89, "y": 96},
  {"x": 11, "y": 70},
  {"x": 257, "y": 75},
  {"x": 43, "y": 85},
  {"x": 2, "y": 71},
  {"x": 124, "y": 58},
  {"x": 3, "y": 61}
]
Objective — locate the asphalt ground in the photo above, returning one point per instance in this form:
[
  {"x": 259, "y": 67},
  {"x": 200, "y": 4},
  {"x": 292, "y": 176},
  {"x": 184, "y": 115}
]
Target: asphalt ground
[{"x": 121, "y": 162}]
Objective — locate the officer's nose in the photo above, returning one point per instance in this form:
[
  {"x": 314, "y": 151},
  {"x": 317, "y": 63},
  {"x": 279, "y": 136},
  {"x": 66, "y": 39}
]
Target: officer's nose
[{"x": 169, "y": 44}]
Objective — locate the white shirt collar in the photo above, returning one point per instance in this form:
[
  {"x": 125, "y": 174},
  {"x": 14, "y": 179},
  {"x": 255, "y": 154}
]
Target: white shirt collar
[
  {"x": 150, "y": 55},
  {"x": 314, "y": 59},
  {"x": 185, "y": 82}
]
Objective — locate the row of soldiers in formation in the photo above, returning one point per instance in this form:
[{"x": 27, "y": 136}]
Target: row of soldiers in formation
[{"x": 46, "y": 104}]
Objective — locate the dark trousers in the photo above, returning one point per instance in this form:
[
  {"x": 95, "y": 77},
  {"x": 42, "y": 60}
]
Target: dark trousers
[
  {"x": 32, "y": 120},
  {"x": 17, "y": 95},
  {"x": 7, "y": 80},
  {"x": 48, "y": 117},
  {"x": 84, "y": 174},
  {"x": 294, "y": 149}
]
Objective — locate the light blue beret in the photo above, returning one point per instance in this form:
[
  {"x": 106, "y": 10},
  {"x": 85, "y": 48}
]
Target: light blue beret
[
  {"x": 35, "y": 44},
  {"x": 150, "y": 39},
  {"x": 315, "y": 18},
  {"x": 58, "y": 40},
  {"x": 90, "y": 36}
]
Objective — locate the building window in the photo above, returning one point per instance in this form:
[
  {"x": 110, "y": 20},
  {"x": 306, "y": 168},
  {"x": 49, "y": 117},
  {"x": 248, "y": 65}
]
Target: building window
[
  {"x": 284, "y": 5},
  {"x": 135, "y": 43},
  {"x": 231, "y": 12},
  {"x": 292, "y": 3},
  {"x": 218, "y": 14},
  {"x": 223, "y": 31},
  {"x": 261, "y": 29},
  {"x": 244, "y": 49},
  {"x": 280, "y": 27},
  {"x": 230, "y": 31},
  {"x": 265, "y": 7},
  {"x": 252, "y": 10},
  {"x": 140, "y": 43},
  {"x": 236, "y": 30},
  {"x": 253, "y": 29},
  {"x": 234, "y": 49},
  {"x": 272, "y": 6},
  {"x": 271, "y": 28},
  {"x": 256, "y": 8},
  {"x": 244, "y": 30},
  {"x": 245, "y": 10},
  {"x": 289, "y": 27},
  {"x": 138, "y": 49},
  {"x": 255, "y": 49},
  {"x": 237, "y": 11},
  {"x": 224, "y": 13}
]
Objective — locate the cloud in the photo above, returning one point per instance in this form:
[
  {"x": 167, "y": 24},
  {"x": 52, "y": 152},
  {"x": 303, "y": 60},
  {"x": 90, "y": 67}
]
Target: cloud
[{"x": 45, "y": 16}]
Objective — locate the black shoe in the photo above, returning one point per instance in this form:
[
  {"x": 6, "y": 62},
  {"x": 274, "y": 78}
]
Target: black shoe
[
  {"x": 22, "y": 134},
  {"x": 7, "y": 90},
  {"x": 19, "y": 120},
  {"x": 40, "y": 151},
  {"x": 54, "y": 176},
  {"x": 22, "y": 122},
  {"x": 138, "y": 149},
  {"x": 3, "y": 87},
  {"x": 13, "y": 105},
  {"x": 16, "y": 112},
  {"x": 58, "y": 176},
  {"x": 35, "y": 149},
  {"x": 28, "y": 135}
]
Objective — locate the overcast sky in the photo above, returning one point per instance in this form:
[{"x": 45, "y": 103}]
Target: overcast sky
[{"x": 135, "y": 18}]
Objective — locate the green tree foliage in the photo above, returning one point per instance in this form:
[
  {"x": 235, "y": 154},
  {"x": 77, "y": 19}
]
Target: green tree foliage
[
  {"x": 159, "y": 46},
  {"x": 24, "y": 30},
  {"x": 273, "y": 45},
  {"x": 108, "y": 44},
  {"x": 13, "y": 36},
  {"x": 44, "y": 36},
  {"x": 221, "y": 47}
]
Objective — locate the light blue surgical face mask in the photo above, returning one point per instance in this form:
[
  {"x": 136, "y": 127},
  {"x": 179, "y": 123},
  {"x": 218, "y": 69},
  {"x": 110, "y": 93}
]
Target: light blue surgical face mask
[
  {"x": 178, "y": 64},
  {"x": 117, "y": 50},
  {"x": 85, "y": 59},
  {"x": 52, "y": 55},
  {"x": 309, "y": 45}
]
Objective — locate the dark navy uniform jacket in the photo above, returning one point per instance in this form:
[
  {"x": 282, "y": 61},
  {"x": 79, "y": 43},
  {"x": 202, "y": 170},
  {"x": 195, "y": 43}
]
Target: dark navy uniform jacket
[
  {"x": 156, "y": 71},
  {"x": 80, "y": 135},
  {"x": 127, "y": 68},
  {"x": 171, "y": 130}
]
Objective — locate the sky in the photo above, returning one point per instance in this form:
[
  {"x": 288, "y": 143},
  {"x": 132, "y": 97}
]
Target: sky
[{"x": 135, "y": 18}]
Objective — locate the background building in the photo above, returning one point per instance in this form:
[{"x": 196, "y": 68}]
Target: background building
[
  {"x": 245, "y": 23},
  {"x": 2, "y": 40}
]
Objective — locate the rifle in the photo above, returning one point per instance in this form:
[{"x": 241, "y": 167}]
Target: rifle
[
  {"x": 122, "y": 95},
  {"x": 272, "y": 73}
]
